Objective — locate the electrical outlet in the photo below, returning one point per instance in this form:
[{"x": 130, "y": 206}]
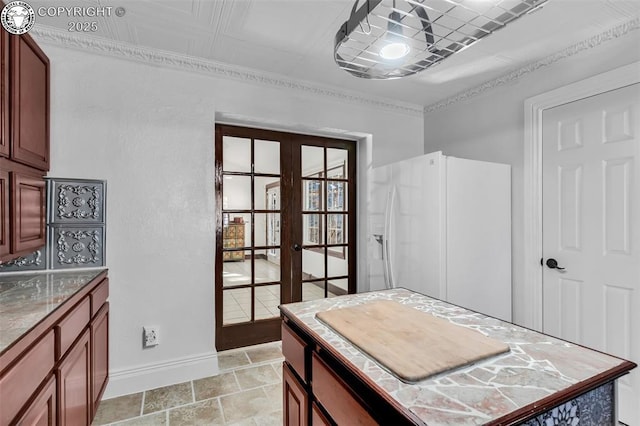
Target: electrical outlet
[{"x": 149, "y": 336}]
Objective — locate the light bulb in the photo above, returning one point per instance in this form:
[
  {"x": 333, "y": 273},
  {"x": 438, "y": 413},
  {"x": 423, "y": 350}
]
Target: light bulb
[{"x": 394, "y": 50}]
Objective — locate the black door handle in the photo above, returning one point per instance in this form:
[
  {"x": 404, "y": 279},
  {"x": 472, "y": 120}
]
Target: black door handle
[
  {"x": 553, "y": 264},
  {"x": 296, "y": 247}
]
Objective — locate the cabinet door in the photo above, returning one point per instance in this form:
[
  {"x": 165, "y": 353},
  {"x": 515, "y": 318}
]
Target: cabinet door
[
  {"x": 42, "y": 412},
  {"x": 4, "y": 94},
  {"x": 29, "y": 103},
  {"x": 317, "y": 417},
  {"x": 74, "y": 391},
  {"x": 28, "y": 204},
  {"x": 5, "y": 239},
  {"x": 99, "y": 355},
  {"x": 295, "y": 410}
]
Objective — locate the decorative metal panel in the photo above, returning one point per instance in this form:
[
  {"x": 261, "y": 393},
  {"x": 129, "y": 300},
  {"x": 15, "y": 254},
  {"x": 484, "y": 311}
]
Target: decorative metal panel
[
  {"x": 32, "y": 262},
  {"x": 76, "y": 246},
  {"x": 76, "y": 201}
]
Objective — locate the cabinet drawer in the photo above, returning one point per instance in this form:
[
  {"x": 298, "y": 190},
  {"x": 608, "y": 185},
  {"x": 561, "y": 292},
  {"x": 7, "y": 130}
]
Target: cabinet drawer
[
  {"x": 19, "y": 383},
  {"x": 293, "y": 348},
  {"x": 99, "y": 295},
  {"x": 71, "y": 326},
  {"x": 336, "y": 397}
]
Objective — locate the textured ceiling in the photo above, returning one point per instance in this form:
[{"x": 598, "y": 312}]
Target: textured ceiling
[{"x": 294, "y": 38}]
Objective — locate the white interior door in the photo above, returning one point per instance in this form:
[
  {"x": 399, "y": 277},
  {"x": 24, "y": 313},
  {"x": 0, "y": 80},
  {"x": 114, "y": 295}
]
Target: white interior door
[{"x": 591, "y": 227}]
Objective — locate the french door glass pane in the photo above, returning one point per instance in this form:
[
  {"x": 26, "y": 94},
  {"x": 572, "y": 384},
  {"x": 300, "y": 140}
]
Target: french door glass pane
[
  {"x": 236, "y": 154},
  {"x": 267, "y": 157},
  {"x": 337, "y": 229},
  {"x": 336, "y": 195},
  {"x": 236, "y": 305},
  {"x": 313, "y": 229},
  {"x": 312, "y": 195},
  {"x": 338, "y": 265},
  {"x": 337, "y": 163},
  {"x": 267, "y": 299},
  {"x": 267, "y": 265},
  {"x": 236, "y": 268},
  {"x": 338, "y": 287},
  {"x": 236, "y": 192},
  {"x": 313, "y": 264},
  {"x": 266, "y": 195},
  {"x": 312, "y": 161},
  {"x": 313, "y": 290},
  {"x": 267, "y": 229}
]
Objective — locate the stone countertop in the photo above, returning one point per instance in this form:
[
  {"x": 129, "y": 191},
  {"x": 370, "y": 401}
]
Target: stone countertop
[
  {"x": 537, "y": 367},
  {"x": 26, "y": 299}
]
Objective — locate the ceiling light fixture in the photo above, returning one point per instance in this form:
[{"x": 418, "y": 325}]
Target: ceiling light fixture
[{"x": 405, "y": 37}]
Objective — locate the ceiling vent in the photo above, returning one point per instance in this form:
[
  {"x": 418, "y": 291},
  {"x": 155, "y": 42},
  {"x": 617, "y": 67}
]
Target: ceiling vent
[{"x": 387, "y": 39}]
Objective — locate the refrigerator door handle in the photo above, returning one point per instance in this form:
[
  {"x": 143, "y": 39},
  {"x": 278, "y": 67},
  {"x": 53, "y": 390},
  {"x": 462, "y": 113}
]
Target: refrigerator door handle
[{"x": 388, "y": 264}]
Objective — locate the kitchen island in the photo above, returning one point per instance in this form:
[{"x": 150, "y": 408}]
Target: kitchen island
[{"x": 540, "y": 381}]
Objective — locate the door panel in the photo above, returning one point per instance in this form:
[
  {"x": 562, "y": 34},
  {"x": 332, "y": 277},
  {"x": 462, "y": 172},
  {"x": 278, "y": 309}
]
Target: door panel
[
  {"x": 285, "y": 209},
  {"x": 592, "y": 228}
]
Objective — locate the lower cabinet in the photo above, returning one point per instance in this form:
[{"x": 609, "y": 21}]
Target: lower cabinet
[
  {"x": 74, "y": 396},
  {"x": 56, "y": 373},
  {"x": 99, "y": 356},
  {"x": 42, "y": 411},
  {"x": 295, "y": 399}
]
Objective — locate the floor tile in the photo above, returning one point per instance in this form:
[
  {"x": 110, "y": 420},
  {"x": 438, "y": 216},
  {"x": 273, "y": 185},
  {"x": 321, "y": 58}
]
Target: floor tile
[
  {"x": 167, "y": 397},
  {"x": 227, "y": 361},
  {"x": 201, "y": 413},
  {"x": 256, "y": 376},
  {"x": 274, "y": 393},
  {"x": 246, "y": 404},
  {"x": 158, "y": 419},
  {"x": 117, "y": 409},
  {"x": 272, "y": 419},
  {"x": 264, "y": 353},
  {"x": 210, "y": 387}
]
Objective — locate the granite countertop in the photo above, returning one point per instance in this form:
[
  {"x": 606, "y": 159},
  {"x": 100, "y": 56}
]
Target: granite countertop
[
  {"x": 536, "y": 367},
  {"x": 26, "y": 299}
]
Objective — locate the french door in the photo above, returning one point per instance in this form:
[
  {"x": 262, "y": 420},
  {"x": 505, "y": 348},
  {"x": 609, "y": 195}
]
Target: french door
[{"x": 285, "y": 227}]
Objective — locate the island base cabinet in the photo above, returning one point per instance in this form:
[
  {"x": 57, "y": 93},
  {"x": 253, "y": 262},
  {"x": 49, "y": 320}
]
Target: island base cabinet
[
  {"x": 74, "y": 402},
  {"x": 295, "y": 399},
  {"x": 42, "y": 411}
]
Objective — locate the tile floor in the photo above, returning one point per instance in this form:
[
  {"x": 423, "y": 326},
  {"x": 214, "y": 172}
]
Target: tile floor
[{"x": 247, "y": 392}]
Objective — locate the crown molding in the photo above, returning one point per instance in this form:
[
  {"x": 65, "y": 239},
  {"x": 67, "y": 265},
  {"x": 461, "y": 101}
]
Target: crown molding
[
  {"x": 57, "y": 37},
  {"x": 590, "y": 43}
]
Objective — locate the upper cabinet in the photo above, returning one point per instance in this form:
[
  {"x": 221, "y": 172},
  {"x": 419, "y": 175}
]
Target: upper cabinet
[
  {"x": 24, "y": 145},
  {"x": 29, "y": 75},
  {"x": 4, "y": 94}
]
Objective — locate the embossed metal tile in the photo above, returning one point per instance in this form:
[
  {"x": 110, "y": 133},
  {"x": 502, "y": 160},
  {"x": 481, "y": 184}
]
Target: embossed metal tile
[
  {"x": 31, "y": 262},
  {"x": 76, "y": 246},
  {"x": 76, "y": 201}
]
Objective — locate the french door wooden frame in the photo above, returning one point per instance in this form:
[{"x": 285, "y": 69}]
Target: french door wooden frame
[{"x": 291, "y": 223}]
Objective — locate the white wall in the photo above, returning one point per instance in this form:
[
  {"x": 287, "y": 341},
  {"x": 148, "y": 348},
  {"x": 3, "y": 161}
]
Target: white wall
[
  {"x": 149, "y": 131},
  {"x": 491, "y": 127}
]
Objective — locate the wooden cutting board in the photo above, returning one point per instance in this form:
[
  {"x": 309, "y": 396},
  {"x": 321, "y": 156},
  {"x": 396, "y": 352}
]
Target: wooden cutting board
[{"x": 409, "y": 343}]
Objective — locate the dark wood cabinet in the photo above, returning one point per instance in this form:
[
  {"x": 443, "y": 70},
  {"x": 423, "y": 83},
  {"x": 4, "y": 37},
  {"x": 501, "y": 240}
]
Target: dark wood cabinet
[
  {"x": 42, "y": 411},
  {"x": 4, "y": 94},
  {"x": 99, "y": 356},
  {"x": 28, "y": 198},
  {"x": 317, "y": 416},
  {"x": 29, "y": 68},
  {"x": 5, "y": 234},
  {"x": 56, "y": 373},
  {"x": 295, "y": 399},
  {"x": 24, "y": 145},
  {"x": 74, "y": 394}
]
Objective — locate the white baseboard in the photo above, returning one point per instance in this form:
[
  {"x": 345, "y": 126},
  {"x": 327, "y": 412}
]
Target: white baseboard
[{"x": 150, "y": 376}]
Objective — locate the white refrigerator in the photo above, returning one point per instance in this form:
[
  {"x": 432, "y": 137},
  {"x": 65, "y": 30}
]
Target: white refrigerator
[{"x": 441, "y": 226}]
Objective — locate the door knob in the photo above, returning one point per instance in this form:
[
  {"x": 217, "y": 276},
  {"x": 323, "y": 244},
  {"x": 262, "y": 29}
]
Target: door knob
[
  {"x": 553, "y": 264},
  {"x": 296, "y": 247}
]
